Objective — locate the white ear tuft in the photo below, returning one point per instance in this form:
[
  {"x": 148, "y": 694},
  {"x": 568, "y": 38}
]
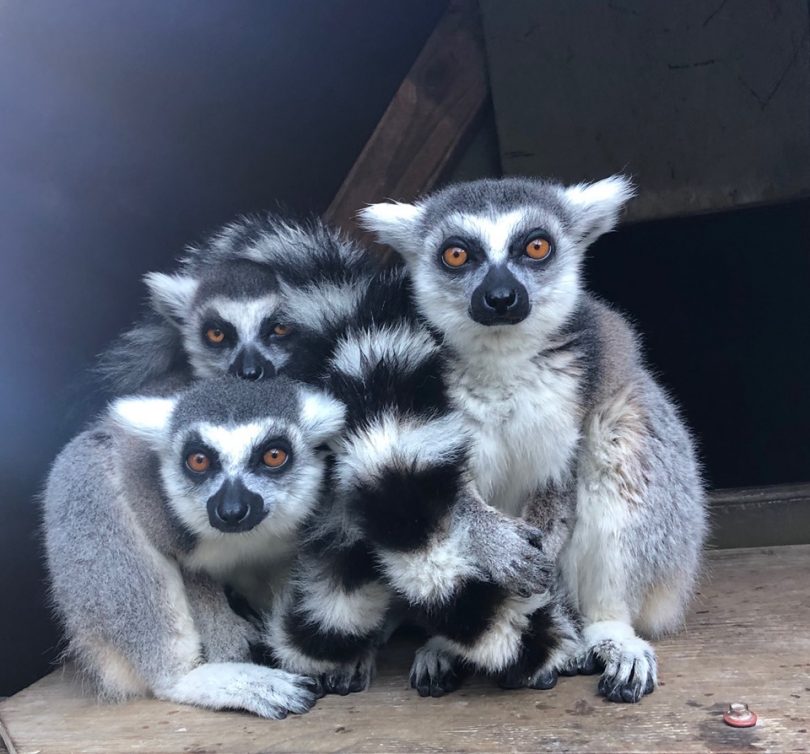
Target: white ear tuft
[
  {"x": 171, "y": 295},
  {"x": 597, "y": 205},
  {"x": 392, "y": 222},
  {"x": 322, "y": 416},
  {"x": 145, "y": 417}
]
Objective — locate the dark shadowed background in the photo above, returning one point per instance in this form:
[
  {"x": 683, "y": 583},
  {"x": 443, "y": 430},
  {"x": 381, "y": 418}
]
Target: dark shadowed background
[{"x": 129, "y": 128}]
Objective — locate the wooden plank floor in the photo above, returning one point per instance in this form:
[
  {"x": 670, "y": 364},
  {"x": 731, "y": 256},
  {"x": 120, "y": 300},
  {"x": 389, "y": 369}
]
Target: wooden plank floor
[{"x": 747, "y": 639}]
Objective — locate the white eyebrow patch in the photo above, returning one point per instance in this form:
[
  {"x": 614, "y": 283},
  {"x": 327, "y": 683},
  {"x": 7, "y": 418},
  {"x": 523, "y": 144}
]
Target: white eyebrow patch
[
  {"x": 493, "y": 231},
  {"x": 234, "y": 444},
  {"x": 246, "y": 315}
]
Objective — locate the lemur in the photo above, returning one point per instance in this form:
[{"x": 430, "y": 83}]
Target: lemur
[
  {"x": 216, "y": 315},
  {"x": 402, "y": 520},
  {"x": 161, "y": 503},
  {"x": 559, "y": 403}
]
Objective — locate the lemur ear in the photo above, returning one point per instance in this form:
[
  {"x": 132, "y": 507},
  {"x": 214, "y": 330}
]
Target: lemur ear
[
  {"x": 393, "y": 223},
  {"x": 147, "y": 418},
  {"x": 597, "y": 205},
  {"x": 171, "y": 295},
  {"x": 322, "y": 417}
]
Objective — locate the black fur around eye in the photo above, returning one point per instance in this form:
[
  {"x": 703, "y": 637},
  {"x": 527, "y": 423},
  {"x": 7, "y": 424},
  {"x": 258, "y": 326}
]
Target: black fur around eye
[
  {"x": 199, "y": 461},
  {"x": 218, "y": 334},
  {"x": 537, "y": 246},
  {"x": 273, "y": 329},
  {"x": 457, "y": 254},
  {"x": 273, "y": 456}
]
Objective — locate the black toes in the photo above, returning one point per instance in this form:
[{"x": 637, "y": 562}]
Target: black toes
[
  {"x": 632, "y": 693},
  {"x": 513, "y": 678},
  {"x": 320, "y": 688},
  {"x": 335, "y": 683},
  {"x": 590, "y": 665},
  {"x": 545, "y": 680},
  {"x": 342, "y": 682},
  {"x": 358, "y": 682},
  {"x": 628, "y": 692},
  {"x": 444, "y": 683}
]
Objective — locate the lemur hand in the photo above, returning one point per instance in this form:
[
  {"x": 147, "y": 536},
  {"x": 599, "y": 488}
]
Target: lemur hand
[{"x": 508, "y": 550}]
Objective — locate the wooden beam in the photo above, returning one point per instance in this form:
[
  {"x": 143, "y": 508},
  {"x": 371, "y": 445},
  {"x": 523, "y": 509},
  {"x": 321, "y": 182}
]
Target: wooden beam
[
  {"x": 430, "y": 116},
  {"x": 760, "y": 517}
]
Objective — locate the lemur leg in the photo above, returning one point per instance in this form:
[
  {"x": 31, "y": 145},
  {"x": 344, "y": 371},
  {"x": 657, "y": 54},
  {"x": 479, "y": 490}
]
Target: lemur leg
[
  {"x": 224, "y": 635},
  {"x": 329, "y": 621},
  {"x": 614, "y": 560},
  {"x": 221, "y": 675},
  {"x": 155, "y": 645}
]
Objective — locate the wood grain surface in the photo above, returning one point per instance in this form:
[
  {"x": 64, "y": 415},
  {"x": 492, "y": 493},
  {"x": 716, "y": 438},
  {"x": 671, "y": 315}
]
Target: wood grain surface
[{"x": 747, "y": 640}]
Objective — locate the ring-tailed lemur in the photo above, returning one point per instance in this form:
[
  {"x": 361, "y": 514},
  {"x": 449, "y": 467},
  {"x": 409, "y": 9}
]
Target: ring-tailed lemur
[
  {"x": 559, "y": 402},
  {"x": 216, "y": 315},
  {"x": 402, "y": 520},
  {"x": 157, "y": 506}
]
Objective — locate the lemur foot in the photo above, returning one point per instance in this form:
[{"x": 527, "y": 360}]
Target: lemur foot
[
  {"x": 347, "y": 679},
  {"x": 585, "y": 663},
  {"x": 434, "y": 672},
  {"x": 516, "y": 678},
  {"x": 229, "y": 685},
  {"x": 631, "y": 670}
]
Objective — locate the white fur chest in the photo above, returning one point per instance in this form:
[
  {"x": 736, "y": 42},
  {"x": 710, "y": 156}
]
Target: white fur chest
[
  {"x": 525, "y": 422},
  {"x": 254, "y": 563}
]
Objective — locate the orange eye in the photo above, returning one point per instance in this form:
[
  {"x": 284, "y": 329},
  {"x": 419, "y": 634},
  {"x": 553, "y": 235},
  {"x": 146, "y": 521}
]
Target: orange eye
[
  {"x": 274, "y": 458},
  {"x": 198, "y": 462},
  {"x": 281, "y": 330},
  {"x": 539, "y": 248},
  {"x": 455, "y": 256},
  {"x": 214, "y": 335}
]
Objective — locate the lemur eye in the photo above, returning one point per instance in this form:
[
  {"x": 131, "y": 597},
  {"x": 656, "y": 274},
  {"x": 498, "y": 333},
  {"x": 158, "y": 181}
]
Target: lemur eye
[
  {"x": 198, "y": 462},
  {"x": 274, "y": 458},
  {"x": 538, "y": 248},
  {"x": 281, "y": 330},
  {"x": 455, "y": 256},
  {"x": 214, "y": 335}
]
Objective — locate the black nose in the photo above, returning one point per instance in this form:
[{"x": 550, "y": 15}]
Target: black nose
[
  {"x": 251, "y": 365},
  {"x": 250, "y": 372},
  {"x": 501, "y": 300},
  {"x": 234, "y": 508},
  {"x": 232, "y": 511}
]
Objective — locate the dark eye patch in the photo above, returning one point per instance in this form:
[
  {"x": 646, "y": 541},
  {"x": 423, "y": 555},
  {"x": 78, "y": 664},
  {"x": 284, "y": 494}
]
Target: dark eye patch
[
  {"x": 272, "y": 442},
  {"x": 475, "y": 253},
  {"x": 192, "y": 446},
  {"x": 269, "y": 324},
  {"x": 517, "y": 249},
  {"x": 212, "y": 322}
]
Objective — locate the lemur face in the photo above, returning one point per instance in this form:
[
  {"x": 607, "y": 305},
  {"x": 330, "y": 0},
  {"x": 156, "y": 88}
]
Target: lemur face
[
  {"x": 237, "y": 457},
  {"x": 228, "y": 314},
  {"x": 497, "y": 255}
]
